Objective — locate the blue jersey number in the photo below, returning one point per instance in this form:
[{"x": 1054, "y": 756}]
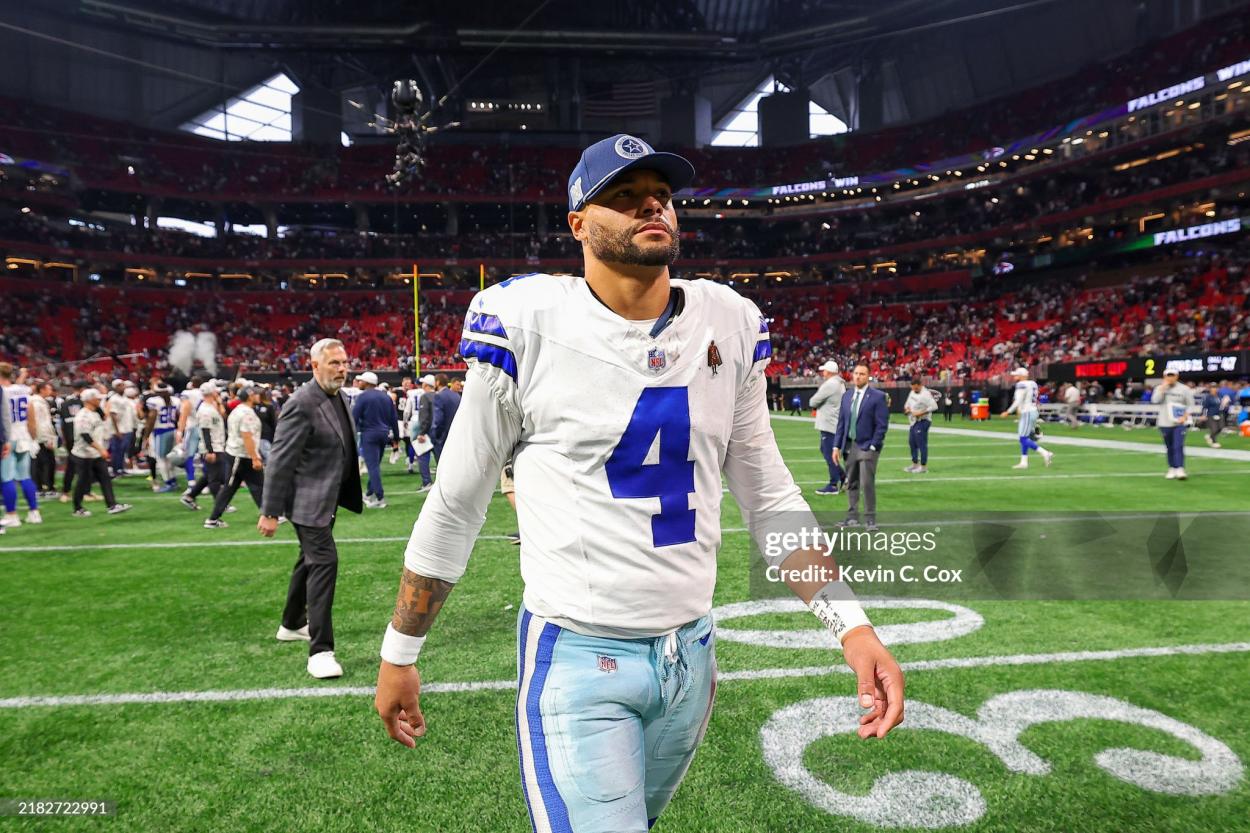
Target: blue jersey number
[
  {"x": 663, "y": 411},
  {"x": 17, "y": 409}
]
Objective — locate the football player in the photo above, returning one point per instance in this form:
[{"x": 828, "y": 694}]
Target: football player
[
  {"x": 1024, "y": 403},
  {"x": 19, "y": 446},
  {"x": 187, "y": 433},
  {"x": 622, "y": 398},
  {"x": 160, "y": 425}
]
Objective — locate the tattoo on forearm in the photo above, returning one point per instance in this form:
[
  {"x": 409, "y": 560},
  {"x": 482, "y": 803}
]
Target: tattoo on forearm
[{"x": 419, "y": 601}]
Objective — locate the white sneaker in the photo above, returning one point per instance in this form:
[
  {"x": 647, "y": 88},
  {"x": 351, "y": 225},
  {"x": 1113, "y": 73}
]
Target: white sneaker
[
  {"x": 324, "y": 665},
  {"x": 1171, "y": 475},
  {"x": 1216, "y": 445},
  {"x": 1047, "y": 456},
  {"x": 33, "y": 517},
  {"x": 12, "y": 520},
  {"x": 394, "y": 457},
  {"x": 1020, "y": 466},
  {"x": 1181, "y": 475},
  {"x": 288, "y": 635}
]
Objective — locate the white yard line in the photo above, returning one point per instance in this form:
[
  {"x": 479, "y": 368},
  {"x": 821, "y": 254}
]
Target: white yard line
[
  {"x": 1082, "y": 442},
  {"x": 1033, "y": 472},
  {"x": 936, "y": 455},
  {"x": 505, "y": 685}
]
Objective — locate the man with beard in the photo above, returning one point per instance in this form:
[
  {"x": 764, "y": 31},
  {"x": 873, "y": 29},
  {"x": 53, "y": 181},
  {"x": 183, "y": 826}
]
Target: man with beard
[
  {"x": 621, "y": 398},
  {"x": 310, "y": 473}
]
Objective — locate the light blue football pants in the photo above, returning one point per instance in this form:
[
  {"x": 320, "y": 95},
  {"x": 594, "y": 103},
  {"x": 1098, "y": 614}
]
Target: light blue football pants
[{"x": 606, "y": 728}]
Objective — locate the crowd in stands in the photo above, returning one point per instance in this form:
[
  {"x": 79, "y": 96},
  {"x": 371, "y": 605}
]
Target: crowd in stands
[
  {"x": 974, "y": 332},
  {"x": 1201, "y": 304},
  {"x": 979, "y": 212}
]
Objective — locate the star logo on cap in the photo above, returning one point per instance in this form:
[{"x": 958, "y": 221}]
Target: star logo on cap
[
  {"x": 575, "y": 192},
  {"x": 630, "y": 148}
]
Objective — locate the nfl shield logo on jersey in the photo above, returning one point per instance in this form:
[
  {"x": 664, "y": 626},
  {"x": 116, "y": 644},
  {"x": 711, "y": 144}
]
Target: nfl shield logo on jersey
[
  {"x": 655, "y": 359},
  {"x": 607, "y": 664}
]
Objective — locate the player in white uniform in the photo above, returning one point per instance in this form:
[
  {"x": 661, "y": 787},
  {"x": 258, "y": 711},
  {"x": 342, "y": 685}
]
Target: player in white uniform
[
  {"x": 162, "y": 422},
  {"x": 18, "y": 448},
  {"x": 622, "y": 398},
  {"x": 1024, "y": 403},
  {"x": 188, "y": 431},
  {"x": 408, "y": 412}
]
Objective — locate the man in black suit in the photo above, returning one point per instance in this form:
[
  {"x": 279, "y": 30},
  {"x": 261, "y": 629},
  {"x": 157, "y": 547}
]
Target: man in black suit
[
  {"x": 865, "y": 417},
  {"x": 311, "y": 471}
]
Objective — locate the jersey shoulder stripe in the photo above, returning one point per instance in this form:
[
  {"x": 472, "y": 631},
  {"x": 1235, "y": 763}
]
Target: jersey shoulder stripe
[
  {"x": 485, "y": 323},
  {"x": 492, "y": 354}
]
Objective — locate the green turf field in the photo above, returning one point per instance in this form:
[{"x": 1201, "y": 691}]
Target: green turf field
[{"x": 1042, "y": 716}]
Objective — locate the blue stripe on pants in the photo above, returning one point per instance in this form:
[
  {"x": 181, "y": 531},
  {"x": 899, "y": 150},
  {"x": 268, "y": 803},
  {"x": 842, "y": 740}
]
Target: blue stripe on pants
[
  {"x": 522, "y": 638},
  {"x": 557, "y": 812}
]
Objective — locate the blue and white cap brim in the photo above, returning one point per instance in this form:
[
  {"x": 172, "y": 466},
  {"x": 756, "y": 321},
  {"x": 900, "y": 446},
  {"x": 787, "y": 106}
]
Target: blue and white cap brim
[{"x": 607, "y": 159}]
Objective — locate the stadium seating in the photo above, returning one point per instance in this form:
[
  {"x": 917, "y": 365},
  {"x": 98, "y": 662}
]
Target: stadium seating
[{"x": 971, "y": 331}]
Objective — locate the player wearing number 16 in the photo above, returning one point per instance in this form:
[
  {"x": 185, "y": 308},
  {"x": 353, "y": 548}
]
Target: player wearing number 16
[{"x": 622, "y": 398}]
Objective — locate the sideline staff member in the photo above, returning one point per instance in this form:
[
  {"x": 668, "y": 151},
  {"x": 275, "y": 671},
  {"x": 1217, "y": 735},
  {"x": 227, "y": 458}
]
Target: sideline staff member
[
  {"x": 862, "y": 434},
  {"x": 919, "y": 408},
  {"x": 311, "y": 471}
]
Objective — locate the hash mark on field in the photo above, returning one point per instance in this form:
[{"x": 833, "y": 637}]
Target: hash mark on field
[{"x": 505, "y": 685}]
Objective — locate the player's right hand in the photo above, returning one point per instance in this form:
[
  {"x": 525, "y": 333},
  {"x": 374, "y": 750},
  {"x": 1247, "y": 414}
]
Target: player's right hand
[{"x": 397, "y": 702}]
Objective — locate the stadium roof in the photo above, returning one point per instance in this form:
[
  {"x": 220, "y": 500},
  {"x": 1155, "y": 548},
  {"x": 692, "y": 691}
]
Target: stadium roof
[{"x": 140, "y": 59}]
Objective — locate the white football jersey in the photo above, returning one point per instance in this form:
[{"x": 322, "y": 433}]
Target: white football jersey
[
  {"x": 1026, "y": 396},
  {"x": 193, "y": 396},
  {"x": 619, "y": 440},
  {"x": 166, "y": 414},
  {"x": 17, "y": 412}
]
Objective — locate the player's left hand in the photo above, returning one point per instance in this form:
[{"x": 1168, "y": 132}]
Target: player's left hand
[{"x": 880, "y": 686}]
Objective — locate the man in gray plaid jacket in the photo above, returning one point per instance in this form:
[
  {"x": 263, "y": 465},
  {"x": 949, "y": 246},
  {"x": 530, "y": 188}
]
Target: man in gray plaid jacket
[{"x": 310, "y": 473}]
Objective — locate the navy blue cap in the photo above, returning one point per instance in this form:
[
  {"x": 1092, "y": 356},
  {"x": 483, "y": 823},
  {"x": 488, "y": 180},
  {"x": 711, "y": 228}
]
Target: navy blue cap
[{"x": 605, "y": 160}]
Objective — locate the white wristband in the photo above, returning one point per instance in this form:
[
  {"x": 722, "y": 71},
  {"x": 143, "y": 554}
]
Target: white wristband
[
  {"x": 400, "y": 648},
  {"x": 836, "y": 606}
]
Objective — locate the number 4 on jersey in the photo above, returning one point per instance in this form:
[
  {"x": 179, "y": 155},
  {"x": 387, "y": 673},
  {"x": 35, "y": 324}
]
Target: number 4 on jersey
[{"x": 663, "y": 411}]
